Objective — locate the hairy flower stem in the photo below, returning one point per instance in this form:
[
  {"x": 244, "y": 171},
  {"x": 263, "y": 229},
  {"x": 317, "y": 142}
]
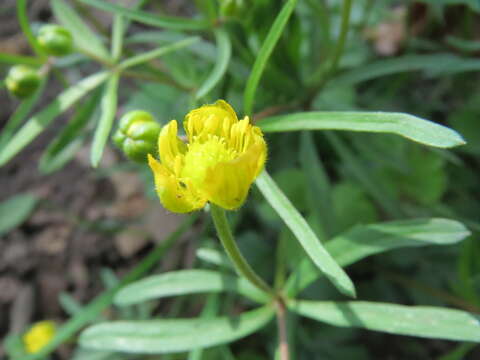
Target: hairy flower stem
[{"x": 233, "y": 252}]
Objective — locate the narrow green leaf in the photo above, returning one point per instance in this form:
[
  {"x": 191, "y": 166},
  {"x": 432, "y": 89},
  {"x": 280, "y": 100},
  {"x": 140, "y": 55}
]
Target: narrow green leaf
[
  {"x": 224, "y": 51},
  {"x": 85, "y": 39},
  {"x": 422, "y": 321},
  {"x": 304, "y": 234},
  {"x": 38, "y": 122},
  {"x": 15, "y": 210},
  {"x": 167, "y": 22},
  {"x": 409, "y": 126},
  {"x": 173, "y": 335},
  {"x": 150, "y": 55},
  {"x": 187, "y": 282},
  {"x": 108, "y": 110},
  {"x": 318, "y": 185},
  {"x": 215, "y": 257},
  {"x": 264, "y": 53},
  {"x": 117, "y": 37},
  {"x": 15, "y": 59},
  {"x": 91, "y": 312},
  {"x": 70, "y": 139},
  {"x": 20, "y": 114},
  {"x": 362, "y": 241},
  {"x": 463, "y": 44},
  {"x": 25, "y": 26}
]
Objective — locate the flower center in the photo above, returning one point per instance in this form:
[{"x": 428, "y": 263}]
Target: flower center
[{"x": 202, "y": 155}]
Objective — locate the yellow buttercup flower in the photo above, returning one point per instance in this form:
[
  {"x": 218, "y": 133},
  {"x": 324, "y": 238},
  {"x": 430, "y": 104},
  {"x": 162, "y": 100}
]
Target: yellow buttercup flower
[
  {"x": 38, "y": 336},
  {"x": 222, "y": 158}
]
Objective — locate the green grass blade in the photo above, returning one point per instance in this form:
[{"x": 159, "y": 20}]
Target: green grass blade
[
  {"x": 167, "y": 22},
  {"x": 84, "y": 38},
  {"x": 91, "y": 312},
  {"x": 173, "y": 335},
  {"x": 70, "y": 139},
  {"x": 409, "y": 126},
  {"x": 25, "y": 26},
  {"x": 15, "y": 210},
  {"x": 20, "y": 114},
  {"x": 38, "y": 122},
  {"x": 363, "y": 241},
  {"x": 15, "y": 59},
  {"x": 150, "y": 55},
  {"x": 117, "y": 37},
  {"x": 265, "y": 52},
  {"x": 224, "y": 52},
  {"x": 304, "y": 234},
  {"x": 185, "y": 282},
  {"x": 108, "y": 108},
  {"x": 423, "y": 321}
]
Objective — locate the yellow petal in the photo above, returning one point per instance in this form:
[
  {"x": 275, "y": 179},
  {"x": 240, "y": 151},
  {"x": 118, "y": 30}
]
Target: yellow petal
[
  {"x": 214, "y": 119},
  {"x": 170, "y": 146},
  {"x": 174, "y": 196},
  {"x": 227, "y": 183}
]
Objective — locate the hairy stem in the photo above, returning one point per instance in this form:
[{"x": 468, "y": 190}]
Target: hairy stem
[{"x": 232, "y": 250}]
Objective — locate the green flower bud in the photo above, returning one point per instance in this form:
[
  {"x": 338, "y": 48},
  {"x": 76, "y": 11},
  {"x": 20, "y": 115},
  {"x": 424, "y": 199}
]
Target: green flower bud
[
  {"x": 137, "y": 135},
  {"x": 22, "y": 80},
  {"x": 55, "y": 40}
]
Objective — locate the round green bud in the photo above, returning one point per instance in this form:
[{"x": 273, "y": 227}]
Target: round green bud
[
  {"x": 22, "y": 80},
  {"x": 137, "y": 135},
  {"x": 55, "y": 40}
]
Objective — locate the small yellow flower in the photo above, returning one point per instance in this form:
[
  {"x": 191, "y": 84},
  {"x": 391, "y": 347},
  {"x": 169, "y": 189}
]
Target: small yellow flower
[
  {"x": 222, "y": 158},
  {"x": 38, "y": 336}
]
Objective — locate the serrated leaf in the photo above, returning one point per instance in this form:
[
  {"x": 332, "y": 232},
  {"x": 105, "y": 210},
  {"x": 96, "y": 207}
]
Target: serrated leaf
[
  {"x": 365, "y": 240},
  {"x": 84, "y": 38},
  {"x": 304, "y": 234},
  {"x": 38, "y": 122},
  {"x": 15, "y": 210},
  {"x": 422, "y": 321},
  {"x": 173, "y": 335},
  {"x": 409, "y": 126},
  {"x": 185, "y": 282}
]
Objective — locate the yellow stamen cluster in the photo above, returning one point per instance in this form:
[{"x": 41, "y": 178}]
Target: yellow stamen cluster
[
  {"x": 222, "y": 158},
  {"x": 38, "y": 336}
]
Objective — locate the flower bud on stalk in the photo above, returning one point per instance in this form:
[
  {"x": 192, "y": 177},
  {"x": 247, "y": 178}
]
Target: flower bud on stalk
[
  {"x": 22, "y": 80},
  {"x": 55, "y": 40},
  {"x": 137, "y": 135},
  {"x": 231, "y": 8}
]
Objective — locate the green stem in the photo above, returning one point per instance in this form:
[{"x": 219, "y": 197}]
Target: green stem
[
  {"x": 25, "y": 26},
  {"x": 230, "y": 246}
]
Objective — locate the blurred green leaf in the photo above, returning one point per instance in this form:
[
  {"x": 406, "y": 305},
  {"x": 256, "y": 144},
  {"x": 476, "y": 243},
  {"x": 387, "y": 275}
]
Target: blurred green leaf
[
  {"x": 69, "y": 140},
  {"x": 463, "y": 44},
  {"x": 85, "y": 39},
  {"x": 409, "y": 126},
  {"x": 167, "y": 22},
  {"x": 215, "y": 257},
  {"x": 422, "y": 321},
  {"x": 108, "y": 110},
  {"x": 38, "y": 122},
  {"x": 365, "y": 240},
  {"x": 91, "y": 312},
  {"x": 118, "y": 29},
  {"x": 264, "y": 54},
  {"x": 224, "y": 51},
  {"x": 459, "y": 352},
  {"x": 15, "y": 59},
  {"x": 185, "y": 282},
  {"x": 173, "y": 335},
  {"x": 304, "y": 234},
  {"x": 150, "y": 55},
  {"x": 15, "y": 210},
  {"x": 21, "y": 113}
]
